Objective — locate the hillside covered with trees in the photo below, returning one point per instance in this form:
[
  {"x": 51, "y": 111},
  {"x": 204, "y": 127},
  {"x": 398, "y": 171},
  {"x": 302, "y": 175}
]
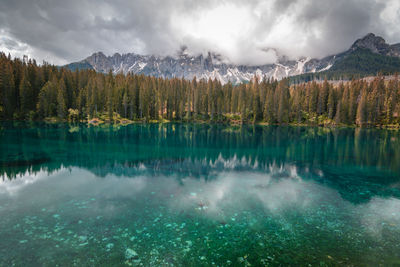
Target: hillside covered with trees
[
  {"x": 32, "y": 92},
  {"x": 354, "y": 65}
]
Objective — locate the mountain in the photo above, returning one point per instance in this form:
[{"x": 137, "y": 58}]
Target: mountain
[
  {"x": 371, "y": 47},
  {"x": 201, "y": 67},
  {"x": 377, "y": 45},
  {"x": 368, "y": 56}
]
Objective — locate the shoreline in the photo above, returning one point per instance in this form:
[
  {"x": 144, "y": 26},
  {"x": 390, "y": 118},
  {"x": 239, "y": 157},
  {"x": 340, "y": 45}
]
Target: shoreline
[{"x": 95, "y": 122}]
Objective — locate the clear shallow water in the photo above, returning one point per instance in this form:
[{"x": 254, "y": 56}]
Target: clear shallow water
[{"x": 197, "y": 195}]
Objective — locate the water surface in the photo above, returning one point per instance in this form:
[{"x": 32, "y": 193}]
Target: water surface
[{"x": 198, "y": 195}]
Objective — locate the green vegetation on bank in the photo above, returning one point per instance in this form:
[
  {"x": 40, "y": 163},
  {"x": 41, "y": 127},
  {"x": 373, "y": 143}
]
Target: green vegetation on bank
[{"x": 32, "y": 92}]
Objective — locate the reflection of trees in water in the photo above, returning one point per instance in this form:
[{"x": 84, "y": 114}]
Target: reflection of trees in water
[
  {"x": 194, "y": 150},
  {"x": 359, "y": 163}
]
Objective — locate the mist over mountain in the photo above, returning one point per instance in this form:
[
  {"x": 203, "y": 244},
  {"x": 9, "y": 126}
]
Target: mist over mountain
[{"x": 214, "y": 66}]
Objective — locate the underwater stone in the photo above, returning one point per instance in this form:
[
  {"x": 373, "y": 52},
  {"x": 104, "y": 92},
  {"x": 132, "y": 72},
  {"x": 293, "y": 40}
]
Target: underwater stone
[
  {"x": 109, "y": 246},
  {"x": 131, "y": 255}
]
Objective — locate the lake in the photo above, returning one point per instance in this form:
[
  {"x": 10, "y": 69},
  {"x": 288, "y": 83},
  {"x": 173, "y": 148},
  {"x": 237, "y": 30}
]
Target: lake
[{"x": 198, "y": 195}]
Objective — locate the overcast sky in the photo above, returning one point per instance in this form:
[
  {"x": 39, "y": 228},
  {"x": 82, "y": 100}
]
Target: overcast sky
[{"x": 245, "y": 31}]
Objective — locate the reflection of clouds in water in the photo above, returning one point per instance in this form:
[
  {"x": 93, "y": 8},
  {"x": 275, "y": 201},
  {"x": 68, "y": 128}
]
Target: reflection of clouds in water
[
  {"x": 72, "y": 188},
  {"x": 380, "y": 214},
  {"x": 12, "y": 187},
  {"x": 280, "y": 188},
  {"x": 113, "y": 186},
  {"x": 276, "y": 191},
  {"x": 215, "y": 195},
  {"x": 282, "y": 194},
  {"x": 74, "y": 181},
  {"x": 280, "y": 191}
]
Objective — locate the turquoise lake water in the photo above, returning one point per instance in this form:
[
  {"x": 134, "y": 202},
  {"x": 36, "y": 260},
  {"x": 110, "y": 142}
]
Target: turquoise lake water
[{"x": 198, "y": 195}]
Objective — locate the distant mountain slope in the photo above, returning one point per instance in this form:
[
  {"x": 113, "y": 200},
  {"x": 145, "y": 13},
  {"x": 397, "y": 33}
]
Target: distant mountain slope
[
  {"x": 82, "y": 65},
  {"x": 359, "y": 63},
  {"x": 364, "y": 61},
  {"x": 366, "y": 56}
]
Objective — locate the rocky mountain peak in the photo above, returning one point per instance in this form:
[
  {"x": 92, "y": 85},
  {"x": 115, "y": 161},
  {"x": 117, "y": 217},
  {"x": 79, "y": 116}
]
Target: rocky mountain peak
[
  {"x": 215, "y": 66},
  {"x": 372, "y": 42}
]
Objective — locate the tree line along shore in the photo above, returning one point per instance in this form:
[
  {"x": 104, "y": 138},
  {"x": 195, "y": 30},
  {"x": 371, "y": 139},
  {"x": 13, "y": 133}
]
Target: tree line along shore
[{"x": 49, "y": 93}]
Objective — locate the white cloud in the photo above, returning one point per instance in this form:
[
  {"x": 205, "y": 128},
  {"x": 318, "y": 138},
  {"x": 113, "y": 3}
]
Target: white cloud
[{"x": 243, "y": 31}]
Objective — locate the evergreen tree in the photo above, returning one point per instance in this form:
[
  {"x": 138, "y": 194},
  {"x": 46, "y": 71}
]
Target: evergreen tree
[
  {"x": 331, "y": 104},
  {"x": 61, "y": 100},
  {"x": 323, "y": 98},
  {"x": 283, "y": 103},
  {"x": 361, "y": 119},
  {"x": 26, "y": 95}
]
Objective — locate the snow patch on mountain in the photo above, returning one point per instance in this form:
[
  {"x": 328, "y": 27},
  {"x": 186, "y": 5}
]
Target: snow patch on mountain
[{"x": 214, "y": 66}]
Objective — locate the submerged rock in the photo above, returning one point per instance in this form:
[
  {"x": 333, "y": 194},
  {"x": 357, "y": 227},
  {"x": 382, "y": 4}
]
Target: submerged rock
[{"x": 131, "y": 255}]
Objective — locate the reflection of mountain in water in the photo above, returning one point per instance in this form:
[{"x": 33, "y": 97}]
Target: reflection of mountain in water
[{"x": 359, "y": 163}]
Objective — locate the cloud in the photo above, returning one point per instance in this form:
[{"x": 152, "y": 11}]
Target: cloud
[{"x": 246, "y": 32}]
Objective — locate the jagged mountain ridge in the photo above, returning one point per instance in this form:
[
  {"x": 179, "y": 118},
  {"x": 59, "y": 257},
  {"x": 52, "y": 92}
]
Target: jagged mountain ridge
[{"x": 211, "y": 66}]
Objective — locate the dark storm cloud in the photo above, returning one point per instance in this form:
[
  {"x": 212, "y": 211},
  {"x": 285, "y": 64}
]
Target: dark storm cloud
[{"x": 242, "y": 30}]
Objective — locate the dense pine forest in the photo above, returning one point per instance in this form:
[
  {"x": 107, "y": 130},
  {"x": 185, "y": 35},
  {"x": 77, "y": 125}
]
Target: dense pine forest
[{"x": 32, "y": 92}]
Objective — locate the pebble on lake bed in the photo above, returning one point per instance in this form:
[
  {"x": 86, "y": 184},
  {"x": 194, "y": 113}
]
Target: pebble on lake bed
[{"x": 131, "y": 255}]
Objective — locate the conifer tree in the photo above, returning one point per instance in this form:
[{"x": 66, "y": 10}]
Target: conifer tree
[
  {"x": 331, "y": 104},
  {"x": 61, "y": 100},
  {"x": 361, "y": 119},
  {"x": 26, "y": 94}
]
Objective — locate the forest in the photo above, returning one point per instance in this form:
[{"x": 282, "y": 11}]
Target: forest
[{"x": 29, "y": 91}]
